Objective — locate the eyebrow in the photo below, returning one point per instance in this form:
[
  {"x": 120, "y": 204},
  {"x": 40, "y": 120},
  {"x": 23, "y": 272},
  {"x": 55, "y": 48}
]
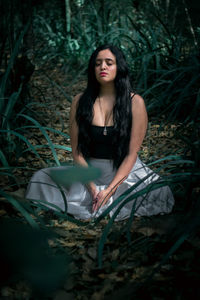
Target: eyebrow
[{"x": 100, "y": 59}]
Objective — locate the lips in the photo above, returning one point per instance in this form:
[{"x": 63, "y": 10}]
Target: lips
[{"x": 102, "y": 74}]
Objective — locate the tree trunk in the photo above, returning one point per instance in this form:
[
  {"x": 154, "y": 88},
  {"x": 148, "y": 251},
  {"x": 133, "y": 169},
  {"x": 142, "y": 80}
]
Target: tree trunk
[{"x": 68, "y": 17}]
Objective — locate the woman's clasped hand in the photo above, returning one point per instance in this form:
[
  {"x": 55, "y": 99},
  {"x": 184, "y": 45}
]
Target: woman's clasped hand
[{"x": 101, "y": 198}]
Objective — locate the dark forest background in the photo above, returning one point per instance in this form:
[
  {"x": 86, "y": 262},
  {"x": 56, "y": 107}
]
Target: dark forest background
[{"x": 44, "y": 51}]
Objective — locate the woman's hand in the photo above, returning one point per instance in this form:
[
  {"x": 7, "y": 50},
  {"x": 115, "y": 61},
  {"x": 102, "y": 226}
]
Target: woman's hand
[
  {"x": 101, "y": 199},
  {"x": 92, "y": 190}
]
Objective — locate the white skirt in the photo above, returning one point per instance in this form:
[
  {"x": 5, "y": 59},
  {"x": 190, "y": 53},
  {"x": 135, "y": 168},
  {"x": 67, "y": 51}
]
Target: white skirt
[{"x": 79, "y": 202}]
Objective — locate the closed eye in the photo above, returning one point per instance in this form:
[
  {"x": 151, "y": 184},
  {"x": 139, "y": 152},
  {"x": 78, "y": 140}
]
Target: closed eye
[{"x": 108, "y": 61}]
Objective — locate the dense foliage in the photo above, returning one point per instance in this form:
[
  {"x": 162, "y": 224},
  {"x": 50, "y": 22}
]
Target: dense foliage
[{"x": 161, "y": 41}]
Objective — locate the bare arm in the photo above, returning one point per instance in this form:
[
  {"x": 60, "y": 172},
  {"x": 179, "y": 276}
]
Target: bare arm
[
  {"x": 138, "y": 131},
  {"x": 73, "y": 130}
]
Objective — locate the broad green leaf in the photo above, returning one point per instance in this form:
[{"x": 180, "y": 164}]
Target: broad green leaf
[{"x": 69, "y": 175}]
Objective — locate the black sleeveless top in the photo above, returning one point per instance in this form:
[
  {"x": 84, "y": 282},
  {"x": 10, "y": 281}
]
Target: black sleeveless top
[{"x": 101, "y": 145}]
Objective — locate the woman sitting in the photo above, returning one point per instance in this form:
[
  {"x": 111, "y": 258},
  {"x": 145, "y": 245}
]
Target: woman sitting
[{"x": 108, "y": 123}]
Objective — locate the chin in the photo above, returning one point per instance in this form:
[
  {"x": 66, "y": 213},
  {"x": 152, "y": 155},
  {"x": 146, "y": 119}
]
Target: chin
[{"x": 105, "y": 80}]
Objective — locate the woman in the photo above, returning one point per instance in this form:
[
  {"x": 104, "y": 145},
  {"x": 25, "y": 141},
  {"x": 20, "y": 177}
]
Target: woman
[{"x": 107, "y": 126}]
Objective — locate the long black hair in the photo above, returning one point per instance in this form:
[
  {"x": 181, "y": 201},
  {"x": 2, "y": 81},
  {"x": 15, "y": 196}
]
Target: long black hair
[{"x": 122, "y": 115}]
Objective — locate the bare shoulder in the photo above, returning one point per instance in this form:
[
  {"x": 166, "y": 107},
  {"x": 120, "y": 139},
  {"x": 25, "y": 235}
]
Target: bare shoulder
[
  {"x": 137, "y": 102},
  {"x": 76, "y": 99},
  {"x": 75, "y": 103},
  {"x": 137, "y": 98},
  {"x": 74, "y": 107},
  {"x": 139, "y": 113}
]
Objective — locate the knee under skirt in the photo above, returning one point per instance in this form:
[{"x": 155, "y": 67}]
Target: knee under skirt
[{"x": 79, "y": 202}]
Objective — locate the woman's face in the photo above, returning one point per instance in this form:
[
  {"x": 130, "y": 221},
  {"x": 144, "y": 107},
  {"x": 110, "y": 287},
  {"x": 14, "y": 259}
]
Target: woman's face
[{"x": 105, "y": 67}]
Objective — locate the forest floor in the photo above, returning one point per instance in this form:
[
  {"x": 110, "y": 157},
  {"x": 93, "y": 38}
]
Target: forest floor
[{"x": 131, "y": 260}]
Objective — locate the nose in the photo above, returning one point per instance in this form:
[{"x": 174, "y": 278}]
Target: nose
[{"x": 103, "y": 65}]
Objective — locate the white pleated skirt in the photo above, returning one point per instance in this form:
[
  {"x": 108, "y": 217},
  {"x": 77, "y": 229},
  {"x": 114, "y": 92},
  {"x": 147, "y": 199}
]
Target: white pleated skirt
[{"x": 155, "y": 200}]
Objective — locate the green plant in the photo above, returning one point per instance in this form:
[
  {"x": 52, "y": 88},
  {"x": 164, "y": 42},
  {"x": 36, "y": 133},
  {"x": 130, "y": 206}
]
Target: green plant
[
  {"x": 161, "y": 59},
  {"x": 25, "y": 254}
]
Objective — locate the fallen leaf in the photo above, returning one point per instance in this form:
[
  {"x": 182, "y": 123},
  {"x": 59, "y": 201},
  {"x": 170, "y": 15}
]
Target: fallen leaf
[{"x": 92, "y": 252}]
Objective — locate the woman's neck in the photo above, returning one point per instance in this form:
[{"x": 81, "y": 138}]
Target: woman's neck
[{"x": 107, "y": 91}]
